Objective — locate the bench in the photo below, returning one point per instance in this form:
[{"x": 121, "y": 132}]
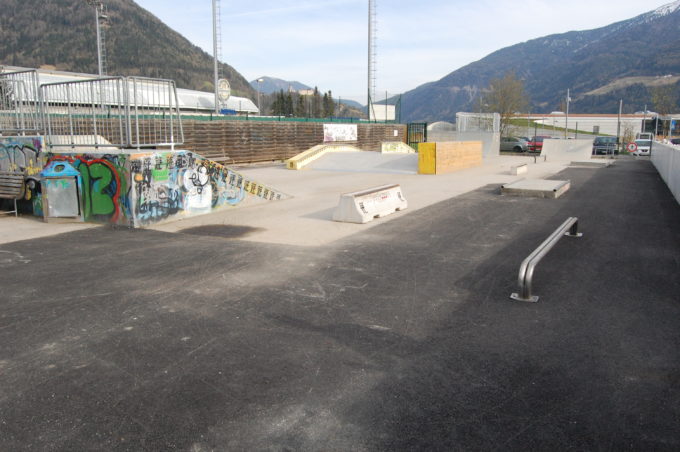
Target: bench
[{"x": 12, "y": 187}]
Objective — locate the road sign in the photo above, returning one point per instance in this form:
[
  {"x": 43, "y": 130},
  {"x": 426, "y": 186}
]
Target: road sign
[
  {"x": 223, "y": 89},
  {"x": 632, "y": 147}
]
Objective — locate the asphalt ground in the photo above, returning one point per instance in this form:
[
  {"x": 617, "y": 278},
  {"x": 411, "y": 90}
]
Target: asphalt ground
[{"x": 402, "y": 337}]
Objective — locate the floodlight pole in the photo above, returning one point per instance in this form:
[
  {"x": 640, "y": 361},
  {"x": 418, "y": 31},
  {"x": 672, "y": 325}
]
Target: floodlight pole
[
  {"x": 216, "y": 63},
  {"x": 98, "y": 10}
]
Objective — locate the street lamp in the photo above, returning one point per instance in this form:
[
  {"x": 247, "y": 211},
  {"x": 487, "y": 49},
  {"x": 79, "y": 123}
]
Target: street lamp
[{"x": 259, "y": 80}]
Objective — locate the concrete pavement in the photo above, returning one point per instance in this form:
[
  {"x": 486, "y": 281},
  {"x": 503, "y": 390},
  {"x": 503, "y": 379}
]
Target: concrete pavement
[{"x": 400, "y": 336}]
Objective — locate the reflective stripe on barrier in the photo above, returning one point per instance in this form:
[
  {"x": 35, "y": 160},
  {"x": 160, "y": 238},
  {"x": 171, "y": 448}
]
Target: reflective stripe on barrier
[{"x": 363, "y": 206}]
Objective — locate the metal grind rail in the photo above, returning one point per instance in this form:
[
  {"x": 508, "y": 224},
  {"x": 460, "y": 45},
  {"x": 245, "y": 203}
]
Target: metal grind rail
[{"x": 526, "y": 270}]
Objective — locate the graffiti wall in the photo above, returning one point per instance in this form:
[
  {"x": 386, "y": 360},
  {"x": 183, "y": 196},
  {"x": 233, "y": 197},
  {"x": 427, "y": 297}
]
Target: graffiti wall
[
  {"x": 26, "y": 155},
  {"x": 139, "y": 189},
  {"x": 22, "y": 154}
]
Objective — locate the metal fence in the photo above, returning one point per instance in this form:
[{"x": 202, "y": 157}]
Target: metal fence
[
  {"x": 478, "y": 122},
  {"x": 20, "y": 109},
  {"x": 112, "y": 112}
]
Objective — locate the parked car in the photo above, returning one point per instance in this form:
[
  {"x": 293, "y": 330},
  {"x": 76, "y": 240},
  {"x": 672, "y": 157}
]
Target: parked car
[
  {"x": 643, "y": 147},
  {"x": 536, "y": 143},
  {"x": 514, "y": 144},
  {"x": 605, "y": 146},
  {"x": 675, "y": 141}
]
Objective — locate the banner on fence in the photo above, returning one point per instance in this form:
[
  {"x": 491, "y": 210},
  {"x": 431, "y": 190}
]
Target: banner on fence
[{"x": 339, "y": 132}]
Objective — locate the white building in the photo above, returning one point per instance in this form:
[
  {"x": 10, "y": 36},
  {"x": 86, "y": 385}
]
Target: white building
[{"x": 190, "y": 101}]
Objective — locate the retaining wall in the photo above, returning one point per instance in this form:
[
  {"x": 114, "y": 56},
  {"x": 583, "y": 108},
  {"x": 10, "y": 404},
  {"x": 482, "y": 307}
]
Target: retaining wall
[
  {"x": 666, "y": 159},
  {"x": 141, "y": 188}
]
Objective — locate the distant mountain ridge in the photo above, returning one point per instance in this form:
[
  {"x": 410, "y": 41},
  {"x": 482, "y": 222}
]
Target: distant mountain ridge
[
  {"x": 61, "y": 34},
  {"x": 582, "y": 61},
  {"x": 270, "y": 85}
]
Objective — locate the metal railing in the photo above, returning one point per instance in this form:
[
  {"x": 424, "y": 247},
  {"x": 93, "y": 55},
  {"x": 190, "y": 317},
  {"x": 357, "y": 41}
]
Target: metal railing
[
  {"x": 112, "y": 112},
  {"x": 526, "y": 270},
  {"x": 20, "y": 107}
]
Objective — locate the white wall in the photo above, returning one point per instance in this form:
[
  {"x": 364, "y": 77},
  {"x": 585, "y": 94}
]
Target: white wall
[
  {"x": 667, "y": 162},
  {"x": 567, "y": 150},
  {"x": 608, "y": 126}
]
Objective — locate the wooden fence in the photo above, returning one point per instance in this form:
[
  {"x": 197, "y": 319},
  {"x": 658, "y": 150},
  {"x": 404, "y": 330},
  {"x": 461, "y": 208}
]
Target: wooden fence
[{"x": 256, "y": 141}]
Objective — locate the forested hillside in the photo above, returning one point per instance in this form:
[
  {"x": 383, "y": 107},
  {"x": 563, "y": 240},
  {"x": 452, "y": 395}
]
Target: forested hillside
[{"x": 61, "y": 33}]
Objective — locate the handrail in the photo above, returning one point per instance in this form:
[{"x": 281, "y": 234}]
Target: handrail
[{"x": 526, "y": 270}]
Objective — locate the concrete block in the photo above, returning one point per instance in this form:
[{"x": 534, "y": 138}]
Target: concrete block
[
  {"x": 536, "y": 188},
  {"x": 365, "y": 205},
  {"x": 519, "y": 169}
]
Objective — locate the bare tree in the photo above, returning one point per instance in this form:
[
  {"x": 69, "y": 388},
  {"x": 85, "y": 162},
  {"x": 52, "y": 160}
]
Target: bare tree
[
  {"x": 665, "y": 99},
  {"x": 505, "y": 96}
]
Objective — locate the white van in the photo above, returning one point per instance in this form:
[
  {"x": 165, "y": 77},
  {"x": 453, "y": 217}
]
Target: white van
[
  {"x": 643, "y": 147},
  {"x": 644, "y": 136}
]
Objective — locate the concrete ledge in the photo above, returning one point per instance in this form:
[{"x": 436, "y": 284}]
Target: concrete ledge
[
  {"x": 593, "y": 163},
  {"x": 536, "y": 188},
  {"x": 516, "y": 170}
]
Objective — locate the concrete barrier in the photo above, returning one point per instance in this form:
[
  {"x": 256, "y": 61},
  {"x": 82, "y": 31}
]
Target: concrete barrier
[
  {"x": 305, "y": 158},
  {"x": 446, "y": 157},
  {"x": 667, "y": 162},
  {"x": 365, "y": 205}
]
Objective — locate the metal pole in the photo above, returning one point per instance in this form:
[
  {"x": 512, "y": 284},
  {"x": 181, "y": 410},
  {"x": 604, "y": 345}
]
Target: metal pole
[
  {"x": 566, "y": 122},
  {"x": 644, "y": 121},
  {"x": 618, "y": 125},
  {"x": 99, "y": 42},
  {"x": 216, "y": 63}
]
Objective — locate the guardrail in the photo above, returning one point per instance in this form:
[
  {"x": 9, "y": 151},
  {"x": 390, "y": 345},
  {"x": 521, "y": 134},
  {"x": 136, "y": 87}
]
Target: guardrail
[
  {"x": 20, "y": 106},
  {"x": 118, "y": 112},
  {"x": 526, "y": 270}
]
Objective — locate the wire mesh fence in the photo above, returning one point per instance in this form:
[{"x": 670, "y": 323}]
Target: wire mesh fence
[
  {"x": 20, "y": 111},
  {"x": 112, "y": 112}
]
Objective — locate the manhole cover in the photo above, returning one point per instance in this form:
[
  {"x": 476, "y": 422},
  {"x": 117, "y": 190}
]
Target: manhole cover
[{"x": 226, "y": 231}]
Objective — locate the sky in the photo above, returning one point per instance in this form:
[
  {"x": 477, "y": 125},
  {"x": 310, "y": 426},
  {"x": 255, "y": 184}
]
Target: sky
[{"x": 324, "y": 43}]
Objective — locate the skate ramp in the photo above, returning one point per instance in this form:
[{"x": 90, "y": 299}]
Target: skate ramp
[
  {"x": 367, "y": 162},
  {"x": 567, "y": 150}
]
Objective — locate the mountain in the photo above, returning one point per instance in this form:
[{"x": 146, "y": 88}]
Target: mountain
[
  {"x": 593, "y": 64},
  {"x": 61, "y": 34},
  {"x": 270, "y": 85},
  {"x": 352, "y": 103}
]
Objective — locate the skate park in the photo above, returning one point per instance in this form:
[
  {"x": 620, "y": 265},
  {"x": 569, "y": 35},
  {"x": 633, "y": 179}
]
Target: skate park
[{"x": 268, "y": 326}]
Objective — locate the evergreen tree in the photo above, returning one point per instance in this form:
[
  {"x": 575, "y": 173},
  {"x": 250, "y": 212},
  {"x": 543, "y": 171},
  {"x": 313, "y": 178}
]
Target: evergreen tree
[
  {"x": 289, "y": 104},
  {"x": 328, "y": 105},
  {"x": 300, "y": 111},
  {"x": 316, "y": 104}
]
